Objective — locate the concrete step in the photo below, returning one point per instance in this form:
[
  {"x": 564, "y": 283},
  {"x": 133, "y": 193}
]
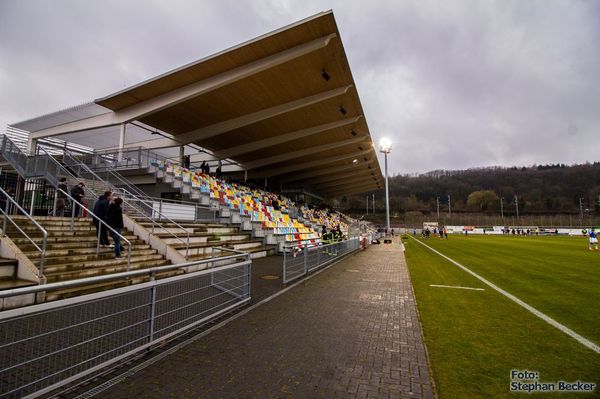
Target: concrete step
[
  {"x": 105, "y": 253},
  {"x": 9, "y": 283},
  {"x": 211, "y": 243},
  {"x": 61, "y": 252},
  {"x": 100, "y": 271},
  {"x": 245, "y": 246},
  {"x": 262, "y": 252},
  {"x": 41, "y": 219},
  {"x": 52, "y": 230},
  {"x": 90, "y": 289},
  {"x": 222, "y": 230},
  {"x": 71, "y": 245},
  {"x": 76, "y": 266},
  {"x": 65, "y": 239},
  {"x": 8, "y": 268},
  {"x": 183, "y": 224},
  {"x": 170, "y": 240}
]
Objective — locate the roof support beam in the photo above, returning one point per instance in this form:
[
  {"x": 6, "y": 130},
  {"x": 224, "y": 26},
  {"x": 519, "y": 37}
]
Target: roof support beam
[
  {"x": 361, "y": 175},
  {"x": 359, "y": 181},
  {"x": 312, "y": 164},
  {"x": 337, "y": 176},
  {"x": 284, "y": 138},
  {"x": 185, "y": 93},
  {"x": 300, "y": 153},
  {"x": 206, "y": 132},
  {"x": 321, "y": 172},
  {"x": 245, "y": 120},
  {"x": 339, "y": 193}
]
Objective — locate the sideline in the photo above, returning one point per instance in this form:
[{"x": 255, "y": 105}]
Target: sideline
[
  {"x": 121, "y": 377},
  {"x": 457, "y": 287},
  {"x": 582, "y": 340}
]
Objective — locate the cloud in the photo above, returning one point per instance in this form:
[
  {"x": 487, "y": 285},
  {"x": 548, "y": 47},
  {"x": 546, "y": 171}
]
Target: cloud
[{"x": 454, "y": 84}]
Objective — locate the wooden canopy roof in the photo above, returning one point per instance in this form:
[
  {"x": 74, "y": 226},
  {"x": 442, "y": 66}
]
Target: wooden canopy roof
[{"x": 284, "y": 106}]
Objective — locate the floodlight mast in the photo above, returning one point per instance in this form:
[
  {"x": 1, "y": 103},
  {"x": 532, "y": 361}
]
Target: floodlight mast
[{"x": 385, "y": 146}]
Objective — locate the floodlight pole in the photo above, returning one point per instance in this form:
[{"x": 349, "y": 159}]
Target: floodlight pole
[
  {"x": 387, "y": 195},
  {"x": 581, "y": 209},
  {"x": 386, "y": 149},
  {"x": 502, "y": 208},
  {"x": 517, "y": 208},
  {"x": 449, "y": 209},
  {"x": 437, "y": 200}
]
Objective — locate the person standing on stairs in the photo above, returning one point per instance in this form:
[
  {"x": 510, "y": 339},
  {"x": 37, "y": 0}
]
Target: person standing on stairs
[
  {"x": 77, "y": 193},
  {"x": 101, "y": 210},
  {"x": 114, "y": 218},
  {"x": 61, "y": 197}
]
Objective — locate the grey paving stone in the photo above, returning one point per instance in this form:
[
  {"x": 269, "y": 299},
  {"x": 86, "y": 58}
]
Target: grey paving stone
[{"x": 339, "y": 335}]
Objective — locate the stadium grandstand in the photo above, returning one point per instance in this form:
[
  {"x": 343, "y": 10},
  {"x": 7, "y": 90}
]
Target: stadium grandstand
[{"x": 218, "y": 163}]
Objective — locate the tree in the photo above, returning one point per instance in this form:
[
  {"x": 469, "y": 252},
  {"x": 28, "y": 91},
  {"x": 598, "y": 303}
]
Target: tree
[{"x": 482, "y": 199}]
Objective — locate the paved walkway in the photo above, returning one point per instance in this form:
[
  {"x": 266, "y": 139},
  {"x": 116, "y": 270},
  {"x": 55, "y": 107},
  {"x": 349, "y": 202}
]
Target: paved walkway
[{"x": 349, "y": 332}]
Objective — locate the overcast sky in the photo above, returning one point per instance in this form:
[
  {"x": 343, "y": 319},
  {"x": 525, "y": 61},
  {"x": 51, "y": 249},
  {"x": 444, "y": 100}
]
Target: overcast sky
[{"x": 454, "y": 84}]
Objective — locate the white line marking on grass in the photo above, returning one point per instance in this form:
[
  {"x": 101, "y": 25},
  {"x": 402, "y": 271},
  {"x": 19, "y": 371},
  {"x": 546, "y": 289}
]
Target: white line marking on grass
[
  {"x": 582, "y": 340},
  {"x": 456, "y": 286}
]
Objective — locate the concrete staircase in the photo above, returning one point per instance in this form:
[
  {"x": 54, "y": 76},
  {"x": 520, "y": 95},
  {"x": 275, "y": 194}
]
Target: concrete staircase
[
  {"x": 205, "y": 236},
  {"x": 72, "y": 255}
]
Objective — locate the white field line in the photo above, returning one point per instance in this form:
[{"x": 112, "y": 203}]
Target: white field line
[
  {"x": 456, "y": 286},
  {"x": 582, "y": 340}
]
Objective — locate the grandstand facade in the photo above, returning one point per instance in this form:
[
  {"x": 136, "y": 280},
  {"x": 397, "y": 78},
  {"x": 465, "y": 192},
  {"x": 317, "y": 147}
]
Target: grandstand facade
[{"x": 225, "y": 160}]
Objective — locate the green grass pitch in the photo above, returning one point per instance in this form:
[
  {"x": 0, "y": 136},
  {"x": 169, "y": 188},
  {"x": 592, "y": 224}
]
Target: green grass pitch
[{"x": 475, "y": 338}]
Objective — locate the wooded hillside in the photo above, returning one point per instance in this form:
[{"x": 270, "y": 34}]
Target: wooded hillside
[{"x": 543, "y": 189}]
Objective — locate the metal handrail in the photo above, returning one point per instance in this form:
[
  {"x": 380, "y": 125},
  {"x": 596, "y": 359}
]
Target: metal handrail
[
  {"x": 99, "y": 221},
  {"x": 133, "y": 197},
  {"x": 44, "y": 232},
  {"x": 53, "y": 180},
  {"x": 132, "y": 188},
  {"x": 123, "y": 275}
]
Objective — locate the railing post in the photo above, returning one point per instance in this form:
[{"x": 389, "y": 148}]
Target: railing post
[
  {"x": 305, "y": 259},
  {"x": 98, "y": 242},
  {"x": 129, "y": 257},
  {"x": 5, "y": 218},
  {"x": 72, "y": 215},
  {"x": 54, "y": 203},
  {"x": 187, "y": 244},
  {"x": 248, "y": 277},
  {"x": 152, "y": 310},
  {"x": 43, "y": 256},
  {"x": 32, "y": 200},
  {"x": 284, "y": 265}
]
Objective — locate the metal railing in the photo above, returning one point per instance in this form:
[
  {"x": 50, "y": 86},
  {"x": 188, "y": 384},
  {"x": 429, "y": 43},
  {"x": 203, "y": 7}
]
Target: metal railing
[
  {"x": 46, "y": 346},
  {"x": 100, "y": 221},
  {"x": 9, "y": 202},
  {"x": 104, "y": 164},
  {"x": 140, "y": 203},
  {"x": 126, "y": 158},
  {"x": 298, "y": 261}
]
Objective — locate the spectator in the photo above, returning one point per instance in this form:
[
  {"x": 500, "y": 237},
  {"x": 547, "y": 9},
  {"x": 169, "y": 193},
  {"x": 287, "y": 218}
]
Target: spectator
[
  {"x": 100, "y": 211},
  {"x": 77, "y": 193},
  {"x": 186, "y": 161},
  {"x": 114, "y": 218},
  {"x": 61, "y": 197}
]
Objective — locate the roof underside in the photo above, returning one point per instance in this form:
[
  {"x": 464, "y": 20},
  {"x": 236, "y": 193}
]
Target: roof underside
[{"x": 264, "y": 104}]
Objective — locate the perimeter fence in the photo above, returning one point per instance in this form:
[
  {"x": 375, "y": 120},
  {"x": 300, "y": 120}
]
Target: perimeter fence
[
  {"x": 298, "y": 261},
  {"x": 46, "y": 346}
]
